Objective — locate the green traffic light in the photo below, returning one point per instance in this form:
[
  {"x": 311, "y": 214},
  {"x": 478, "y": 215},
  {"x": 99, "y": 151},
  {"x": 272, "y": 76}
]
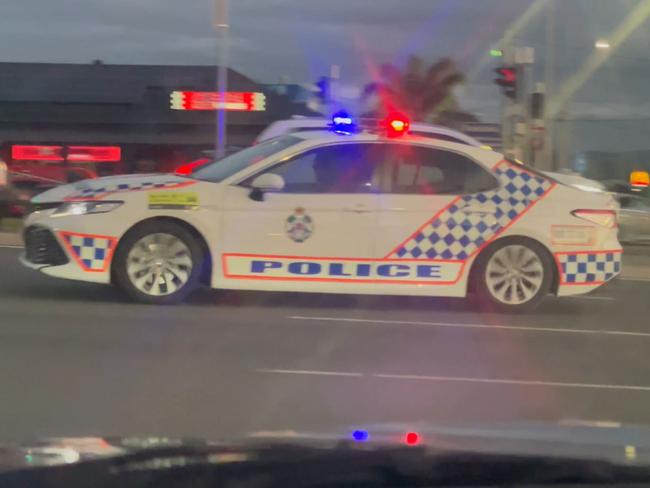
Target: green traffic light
[{"x": 496, "y": 53}]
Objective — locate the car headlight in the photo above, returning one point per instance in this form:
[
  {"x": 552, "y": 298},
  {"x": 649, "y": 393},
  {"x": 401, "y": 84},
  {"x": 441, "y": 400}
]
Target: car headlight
[{"x": 83, "y": 208}]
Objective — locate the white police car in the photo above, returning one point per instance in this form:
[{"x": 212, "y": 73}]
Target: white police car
[{"x": 340, "y": 211}]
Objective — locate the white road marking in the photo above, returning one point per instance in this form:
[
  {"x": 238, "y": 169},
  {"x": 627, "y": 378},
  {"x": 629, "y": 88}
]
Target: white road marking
[
  {"x": 457, "y": 379},
  {"x": 602, "y": 424},
  {"x": 307, "y": 372},
  {"x": 471, "y": 326},
  {"x": 641, "y": 280},
  {"x": 502, "y": 381},
  {"x": 8, "y": 246}
]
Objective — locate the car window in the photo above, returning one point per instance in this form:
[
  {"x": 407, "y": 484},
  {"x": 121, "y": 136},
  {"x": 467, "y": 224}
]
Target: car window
[
  {"x": 230, "y": 165},
  {"x": 340, "y": 168},
  {"x": 629, "y": 202},
  {"x": 427, "y": 171}
]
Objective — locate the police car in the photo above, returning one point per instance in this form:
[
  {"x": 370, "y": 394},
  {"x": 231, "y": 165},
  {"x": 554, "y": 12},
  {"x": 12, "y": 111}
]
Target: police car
[{"x": 353, "y": 209}]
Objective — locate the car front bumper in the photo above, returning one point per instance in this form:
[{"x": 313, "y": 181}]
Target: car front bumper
[{"x": 72, "y": 248}]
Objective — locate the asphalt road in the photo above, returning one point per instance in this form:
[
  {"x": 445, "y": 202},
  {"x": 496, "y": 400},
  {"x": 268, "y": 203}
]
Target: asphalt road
[{"x": 76, "y": 359}]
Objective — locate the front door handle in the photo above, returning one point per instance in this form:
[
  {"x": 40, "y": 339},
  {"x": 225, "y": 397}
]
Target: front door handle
[{"x": 357, "y": 209}]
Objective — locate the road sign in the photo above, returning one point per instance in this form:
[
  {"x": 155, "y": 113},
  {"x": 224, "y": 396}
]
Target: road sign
[{"x": 230, "y": 101}]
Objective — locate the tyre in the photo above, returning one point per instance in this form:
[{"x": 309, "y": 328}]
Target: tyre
[
  {"x": 513, "y": 275},
  {"x": 158, "y": 262}
]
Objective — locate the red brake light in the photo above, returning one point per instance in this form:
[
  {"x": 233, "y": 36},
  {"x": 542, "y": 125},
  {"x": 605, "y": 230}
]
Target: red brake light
[
  {"x": 396, "y": 125},
  {"x": 604, "y": 218}
]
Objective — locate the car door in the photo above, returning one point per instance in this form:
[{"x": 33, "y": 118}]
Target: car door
[
  {"x": 423, "y": 217},
  {"x": 301, "y": 237}
]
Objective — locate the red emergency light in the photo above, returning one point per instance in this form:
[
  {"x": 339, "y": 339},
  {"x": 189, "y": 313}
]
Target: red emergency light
[
  {"x": 94, "y": 154},
  {"x": 37, "y": 153},
  {"x": 189, "y": 168},
  {"x": 230, "y": 101},
  {"x": 396, "y": 125}
]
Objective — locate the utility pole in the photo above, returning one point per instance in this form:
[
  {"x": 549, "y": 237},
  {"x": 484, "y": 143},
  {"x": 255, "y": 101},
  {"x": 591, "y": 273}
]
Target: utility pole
[
  {"x": 222, "y": 26},
  {"x": 548, "y": 159},
  {"x": 536, "y": 127}
]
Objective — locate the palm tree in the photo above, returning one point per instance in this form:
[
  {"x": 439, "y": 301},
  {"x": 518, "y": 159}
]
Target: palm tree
[{"x": 423, "y": 94}]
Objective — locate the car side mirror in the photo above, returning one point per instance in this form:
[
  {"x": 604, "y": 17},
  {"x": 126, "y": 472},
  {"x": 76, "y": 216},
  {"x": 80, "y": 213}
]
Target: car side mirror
[{"x": 265, "y": 183}]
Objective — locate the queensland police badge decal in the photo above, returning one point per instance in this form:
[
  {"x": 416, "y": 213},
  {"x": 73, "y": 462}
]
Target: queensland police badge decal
[{"x": 299, "y": 226}]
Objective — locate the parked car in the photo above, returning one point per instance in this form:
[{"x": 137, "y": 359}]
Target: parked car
[{"x": 633, "y": 219}]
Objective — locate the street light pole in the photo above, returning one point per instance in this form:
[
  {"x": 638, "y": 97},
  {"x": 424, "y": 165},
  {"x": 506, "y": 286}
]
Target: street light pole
[
  {"x": 222, "y": 26},
  {"x": 549, "y": 75}
]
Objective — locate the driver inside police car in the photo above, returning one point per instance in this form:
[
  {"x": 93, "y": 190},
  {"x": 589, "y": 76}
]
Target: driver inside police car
[{"x": 342, "y": 170}]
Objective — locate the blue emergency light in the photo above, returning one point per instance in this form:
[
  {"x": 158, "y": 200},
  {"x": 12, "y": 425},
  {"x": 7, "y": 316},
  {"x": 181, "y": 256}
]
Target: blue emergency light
[
  {"x": 343, "y": 123},
  {"x": 360, "y": 435}
]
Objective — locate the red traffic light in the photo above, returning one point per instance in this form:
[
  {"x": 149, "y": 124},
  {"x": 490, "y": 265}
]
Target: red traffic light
[
  {"x": 507, "y": 76},
  {"x": 507, "y": 80}
]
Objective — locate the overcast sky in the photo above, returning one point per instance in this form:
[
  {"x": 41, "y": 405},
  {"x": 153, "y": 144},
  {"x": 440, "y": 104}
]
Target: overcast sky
[{"x": 299, "y": 39}]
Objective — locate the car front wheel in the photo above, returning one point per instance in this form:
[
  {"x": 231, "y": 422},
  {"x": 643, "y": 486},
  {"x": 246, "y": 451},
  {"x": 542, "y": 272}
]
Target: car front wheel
[{"x": 158, "y": 262}]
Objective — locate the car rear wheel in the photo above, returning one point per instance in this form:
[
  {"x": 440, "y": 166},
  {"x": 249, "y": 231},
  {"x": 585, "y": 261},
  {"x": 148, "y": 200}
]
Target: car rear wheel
[
  {"x": 513, "y": 276},
  {"x": 158, "y": 262}
]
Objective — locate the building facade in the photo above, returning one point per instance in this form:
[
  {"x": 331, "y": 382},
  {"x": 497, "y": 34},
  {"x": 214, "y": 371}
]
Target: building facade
[{"x": 69, "y": 121}]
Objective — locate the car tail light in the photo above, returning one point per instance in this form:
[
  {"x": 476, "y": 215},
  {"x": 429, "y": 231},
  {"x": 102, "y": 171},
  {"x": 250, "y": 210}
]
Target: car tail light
[{"x": 604, "y": 218}]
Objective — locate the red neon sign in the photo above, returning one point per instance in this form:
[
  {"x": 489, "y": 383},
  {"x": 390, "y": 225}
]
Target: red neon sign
[
  {"x": 37, "y": 153},
  {"x": 231, "y": 101},
  {"x": 77, "y": 154},
  {"x": 94, "y": 154}
]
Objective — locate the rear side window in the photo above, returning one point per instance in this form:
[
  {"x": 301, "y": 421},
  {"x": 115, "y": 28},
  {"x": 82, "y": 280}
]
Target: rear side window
[{"x": 427, "y": 171}]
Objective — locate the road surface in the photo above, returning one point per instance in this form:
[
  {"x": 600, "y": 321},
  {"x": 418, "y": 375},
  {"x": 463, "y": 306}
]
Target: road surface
[{"x": 76, "y": 359}]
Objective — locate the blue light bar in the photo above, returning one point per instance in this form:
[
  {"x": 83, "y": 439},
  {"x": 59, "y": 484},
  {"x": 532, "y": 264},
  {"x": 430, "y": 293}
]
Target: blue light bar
[
  {"x": 343, "y": 123},
  {"x": 360, "y": 435}
]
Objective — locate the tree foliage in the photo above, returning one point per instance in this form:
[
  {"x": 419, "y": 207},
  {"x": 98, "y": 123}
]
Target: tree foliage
[{"x": 424, "y": 93}]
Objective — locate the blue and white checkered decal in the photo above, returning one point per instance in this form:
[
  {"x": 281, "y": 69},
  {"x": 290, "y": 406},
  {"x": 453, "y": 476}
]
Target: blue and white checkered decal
[
  {"x": 456, "y": 235},
  {"x": 90, "y": 193},
  {"x": 586, "y": 268},
  {"x": 92, "y": 252}
]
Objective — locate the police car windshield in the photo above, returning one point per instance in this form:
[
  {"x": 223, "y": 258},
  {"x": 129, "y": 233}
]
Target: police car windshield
[{"x": 223, "y": 168}]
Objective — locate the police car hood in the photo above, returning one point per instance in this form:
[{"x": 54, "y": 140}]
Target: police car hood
[{"x": 107, "y": 184}]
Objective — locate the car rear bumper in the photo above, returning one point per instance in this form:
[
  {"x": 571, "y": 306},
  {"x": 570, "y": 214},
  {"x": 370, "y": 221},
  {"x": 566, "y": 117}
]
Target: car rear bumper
[{"x": 580, "y": 272}]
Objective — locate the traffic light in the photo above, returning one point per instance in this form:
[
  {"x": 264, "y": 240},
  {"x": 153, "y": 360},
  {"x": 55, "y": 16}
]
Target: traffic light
[{"x": 507, "y": 80}]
